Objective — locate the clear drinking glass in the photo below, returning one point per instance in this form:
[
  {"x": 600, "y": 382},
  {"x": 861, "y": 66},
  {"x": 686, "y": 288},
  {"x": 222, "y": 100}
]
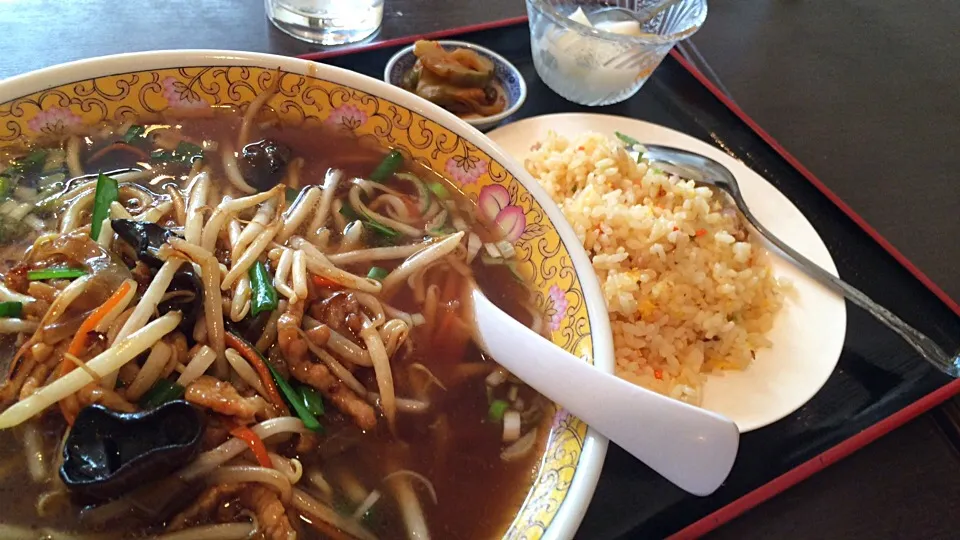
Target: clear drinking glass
[
  {"x": 594, "y": 67},
  {"x": 326, "y": 22}
]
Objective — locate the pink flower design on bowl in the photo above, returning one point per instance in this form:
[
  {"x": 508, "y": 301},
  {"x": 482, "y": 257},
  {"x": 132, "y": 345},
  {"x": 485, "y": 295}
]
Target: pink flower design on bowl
[
  {"x": 562, "y": 416},
  {"x": 466, "y": 169},
  {"x": 347, "y": 116},
  {"x": 55, "y": 121},
  {"x": 494, "y": 204},
  {"x": 180, "y": 96},
  {"x": 558, "y": 299}
]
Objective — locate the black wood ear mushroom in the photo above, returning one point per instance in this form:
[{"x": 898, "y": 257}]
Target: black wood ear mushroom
[{"x": 108, "y": 453}]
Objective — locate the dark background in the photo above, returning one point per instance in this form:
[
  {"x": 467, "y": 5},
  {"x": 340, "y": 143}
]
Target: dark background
[{"x": 864, "y": 93}]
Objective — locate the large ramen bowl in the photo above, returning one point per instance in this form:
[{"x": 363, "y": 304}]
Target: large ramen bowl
[{"x": 118, "y": 88}]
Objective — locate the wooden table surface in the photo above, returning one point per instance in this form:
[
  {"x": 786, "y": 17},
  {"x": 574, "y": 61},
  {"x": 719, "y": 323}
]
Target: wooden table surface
[{"x": 864, "y": 93}]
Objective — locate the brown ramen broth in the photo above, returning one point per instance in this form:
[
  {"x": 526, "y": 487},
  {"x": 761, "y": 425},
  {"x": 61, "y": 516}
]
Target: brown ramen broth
[{"x": 347, "y": 315}]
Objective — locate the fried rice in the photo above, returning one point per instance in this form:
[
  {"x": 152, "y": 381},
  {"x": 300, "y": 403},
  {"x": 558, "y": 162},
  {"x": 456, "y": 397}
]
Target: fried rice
[{"x": 687, "y": 290}]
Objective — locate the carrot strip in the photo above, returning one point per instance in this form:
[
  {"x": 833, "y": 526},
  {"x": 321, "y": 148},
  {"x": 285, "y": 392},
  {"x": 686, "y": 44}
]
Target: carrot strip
[
  {"x": 412, "y": 206},
  {"x": 450, "y": 338},
  {"x": 79, "y": 342},
  {"x": 321, "y": 281},
  {"x": 256, "y": 360},
  {"x": 255, "y": 443}
]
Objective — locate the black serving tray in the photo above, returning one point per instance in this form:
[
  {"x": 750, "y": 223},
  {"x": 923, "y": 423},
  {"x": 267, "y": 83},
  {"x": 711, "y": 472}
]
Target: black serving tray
[{"x": 880, "y": 382}]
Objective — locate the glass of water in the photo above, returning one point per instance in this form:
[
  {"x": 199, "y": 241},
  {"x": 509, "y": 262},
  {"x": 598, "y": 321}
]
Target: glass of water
[{"x": 326, "y": 22}]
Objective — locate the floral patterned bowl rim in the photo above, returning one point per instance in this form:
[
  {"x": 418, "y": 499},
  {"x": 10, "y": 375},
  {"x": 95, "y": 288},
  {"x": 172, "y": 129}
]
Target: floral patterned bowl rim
[
  {"x": 503, "y": 68},
  {"x": 80, "y": 78}
]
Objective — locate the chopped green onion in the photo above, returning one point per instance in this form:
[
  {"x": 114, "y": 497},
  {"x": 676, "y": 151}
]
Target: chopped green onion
[
  {"x": 264, "y": 297},
  {"x": 348, "y": 212},
  {"x": 107, "y": 192},
  {"x": 162, "y": 391},
  {"x": 311, "y": 400},
  {"x": 49, "y": 197},
  {"x": 189, "y": 151},
  {"x": 626, "y": 139},
  {"x": 439, "y": 190},
  {"x": 382, "y": 229},
  {"x": 497, "y": 409},
  {"x": 377, "y": 273},
  {"x": 133, "y": 133},
  {"x": 289, "y": 394},
  {"x": 631, "y": 142},
  {"x": 55, "y": 273},
  {"x": 292, "y": 194},
  {"x": 294, "y": 399},
  {"x": 33, "y": 160},
  {"x": 387, "y": 167},
  {"x": 11, "y": 309},
  {"x": 52, "y": 179}
]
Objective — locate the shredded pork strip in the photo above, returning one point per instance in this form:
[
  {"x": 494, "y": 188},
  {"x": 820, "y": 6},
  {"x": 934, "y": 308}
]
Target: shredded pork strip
[
  {"x": 271, "y": 515},
  {"x": 220, "y": 396},
  {"x": 35, "y": 379},
  {"x": 317, "y": 375},
  {"x": 94, "y": 393}
]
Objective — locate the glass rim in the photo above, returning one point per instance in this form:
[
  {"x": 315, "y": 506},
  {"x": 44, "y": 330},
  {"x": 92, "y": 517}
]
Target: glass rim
[{"x": 556, "y": 17}]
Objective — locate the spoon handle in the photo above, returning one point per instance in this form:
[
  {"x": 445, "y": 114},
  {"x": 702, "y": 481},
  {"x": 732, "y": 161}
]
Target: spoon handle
[
  {"x": 693, "y": 448},
  {"x": 927, "y": 348}
]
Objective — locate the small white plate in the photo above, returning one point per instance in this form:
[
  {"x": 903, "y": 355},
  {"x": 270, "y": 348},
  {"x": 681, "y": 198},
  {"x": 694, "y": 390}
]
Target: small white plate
[
  {"x": 809, "y": 331},
  {"x": 509, "y": 77}
]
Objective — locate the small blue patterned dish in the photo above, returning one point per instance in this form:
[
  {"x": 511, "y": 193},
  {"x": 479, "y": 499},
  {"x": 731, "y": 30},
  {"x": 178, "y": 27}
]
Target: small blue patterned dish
[{"x": 506, "y": 73}]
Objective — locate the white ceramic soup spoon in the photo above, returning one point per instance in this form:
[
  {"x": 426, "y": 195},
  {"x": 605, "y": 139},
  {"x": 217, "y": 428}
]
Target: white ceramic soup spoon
[{"x": 691, "y": 447}]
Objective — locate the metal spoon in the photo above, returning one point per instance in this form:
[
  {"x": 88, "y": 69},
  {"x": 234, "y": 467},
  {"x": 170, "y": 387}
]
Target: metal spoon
[
  {"x": 691, "y": 447},
  {"x": 642, "y": 17},
  {"x": 704, "y": 170}
]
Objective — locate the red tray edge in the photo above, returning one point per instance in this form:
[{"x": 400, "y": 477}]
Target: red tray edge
[
  {"x": 809, "y": 468},
  {"x": 829, "y": 456}
]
